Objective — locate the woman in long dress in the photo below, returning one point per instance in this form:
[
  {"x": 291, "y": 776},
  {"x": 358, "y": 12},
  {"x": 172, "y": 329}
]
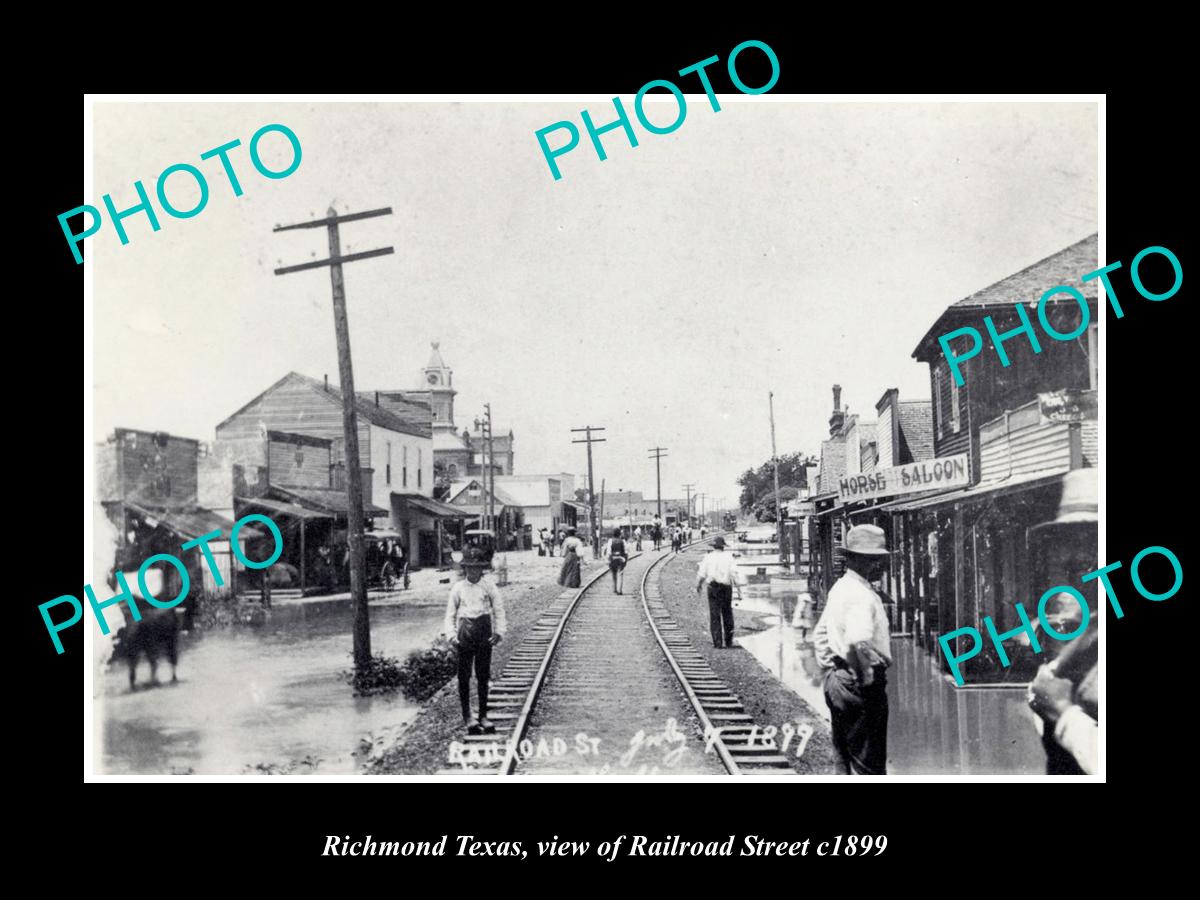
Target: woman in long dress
[{"x": 572, "y": 551}]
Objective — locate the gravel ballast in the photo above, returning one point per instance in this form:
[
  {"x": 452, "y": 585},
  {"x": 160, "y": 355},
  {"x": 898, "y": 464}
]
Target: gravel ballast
[{"x": 764, "y": 697}]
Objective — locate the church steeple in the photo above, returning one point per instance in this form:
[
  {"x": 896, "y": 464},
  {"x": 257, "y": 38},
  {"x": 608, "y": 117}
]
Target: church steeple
[
  {"x": 437, "y": 373},
  {"x": 438, "y": 379}
]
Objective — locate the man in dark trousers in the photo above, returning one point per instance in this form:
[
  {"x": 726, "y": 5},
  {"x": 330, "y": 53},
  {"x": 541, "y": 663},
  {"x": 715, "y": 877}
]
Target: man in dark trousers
[
  {"x": 719, "y": 569},
  {"x": 853, "y": 647}
]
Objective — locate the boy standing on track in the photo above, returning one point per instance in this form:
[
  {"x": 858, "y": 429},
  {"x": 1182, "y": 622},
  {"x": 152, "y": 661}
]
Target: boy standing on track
[{"x": 474, "y": 623}]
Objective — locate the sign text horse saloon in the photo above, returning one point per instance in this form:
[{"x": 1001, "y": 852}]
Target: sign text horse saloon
[{"x": 946, "y": 472}]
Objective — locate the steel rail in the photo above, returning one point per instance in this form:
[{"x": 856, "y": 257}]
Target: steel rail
[{"x": 709, "y": 729}]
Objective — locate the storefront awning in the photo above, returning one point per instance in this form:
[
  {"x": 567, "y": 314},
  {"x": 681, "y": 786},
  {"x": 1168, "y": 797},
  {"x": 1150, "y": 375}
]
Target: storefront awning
[
  {"x": 474, "y": 511},
  {"x": 192, "y": 522},
  {"x": 435, "y": 508},
  {"x": 326, "y": 500},
  {"x": 282, "y": 508},
  {"x": 986, "y": 490}
]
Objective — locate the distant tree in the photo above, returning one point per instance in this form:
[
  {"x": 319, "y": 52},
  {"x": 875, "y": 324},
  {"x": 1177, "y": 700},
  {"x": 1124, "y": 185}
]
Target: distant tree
[
  {"x": 764, "y": 508},
  {"x": 760, "y": 482},
  {"x": 581, "y": 495}
]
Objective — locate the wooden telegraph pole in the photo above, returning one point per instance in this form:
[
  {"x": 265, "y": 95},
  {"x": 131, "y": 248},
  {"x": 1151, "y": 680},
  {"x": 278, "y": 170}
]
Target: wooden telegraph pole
[
  {"x": 589, "y": 440},
  {"x": 491, "y": 474},
  {"x": 656, "y": 454},
  {"x": 602, "y": 492},
  {"x": 688, "y": 488},
  {"x": 778, "y": 519},
  {"x": 354, "y": 513}
]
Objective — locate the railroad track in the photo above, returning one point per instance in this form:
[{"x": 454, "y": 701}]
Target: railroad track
[
  {"x": 590, "y": 670},
  {"x": 721, "y": 713}
]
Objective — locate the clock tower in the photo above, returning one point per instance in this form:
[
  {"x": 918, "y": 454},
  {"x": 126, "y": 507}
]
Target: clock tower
[{"x": 438, "y": 379}]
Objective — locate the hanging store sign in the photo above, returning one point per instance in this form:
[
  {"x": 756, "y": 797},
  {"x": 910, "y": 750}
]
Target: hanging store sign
[
  {"x": 798, "y": 508},
  {"x": 931, "y": 474},
  {"x": 1068, "y": 405}
]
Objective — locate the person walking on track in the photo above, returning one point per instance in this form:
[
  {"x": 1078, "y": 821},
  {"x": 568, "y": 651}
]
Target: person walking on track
[
  {"x": 853, "y": 647},
  {"x": 572, "y": 552},
  {"x": 474, "y": 623},
  {"x": 656, "y": 533},
  {"x": 615, "y": 553},
  {"x": 637, "y": 538},
  {"x": 719, "y": 569}
]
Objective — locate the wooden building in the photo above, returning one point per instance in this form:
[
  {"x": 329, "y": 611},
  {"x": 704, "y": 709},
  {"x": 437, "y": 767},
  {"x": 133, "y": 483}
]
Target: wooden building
[
  {"x": 147, "y": 483},
  {"x": 472, "y": 499},
  {"x": 287, "y": 445},
  {"x": 900, "y": 436},
  {"x": 978, "y": 548}
]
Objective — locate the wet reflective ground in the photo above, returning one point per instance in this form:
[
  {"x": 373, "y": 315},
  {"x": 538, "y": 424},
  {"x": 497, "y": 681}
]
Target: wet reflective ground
[
  {"x": 934, "y": 728},
  {"x": 259, "y": 700}
]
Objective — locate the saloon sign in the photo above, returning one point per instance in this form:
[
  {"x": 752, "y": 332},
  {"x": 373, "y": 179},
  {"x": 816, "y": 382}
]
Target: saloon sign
[{"x": 932, "y": 474}]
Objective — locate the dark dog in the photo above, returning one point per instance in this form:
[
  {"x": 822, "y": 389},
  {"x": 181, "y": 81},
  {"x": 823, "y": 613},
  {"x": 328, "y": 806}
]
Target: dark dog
[{"x": 157, "y": 634}]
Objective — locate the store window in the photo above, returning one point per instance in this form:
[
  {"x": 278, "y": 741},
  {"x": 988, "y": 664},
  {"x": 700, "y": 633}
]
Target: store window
[
  {"x": 954, "y": 401},
  {"x": 939, "y": 420},
  {"x": 1093, "y": 352}
]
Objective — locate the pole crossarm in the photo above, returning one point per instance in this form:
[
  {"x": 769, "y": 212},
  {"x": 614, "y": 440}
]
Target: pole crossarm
[
  {"x": 336, "y": 261},
  {"x": 589, "y": 440},
  {"x": 354, "y": 489},
  {"x": 336, "y": 220}
]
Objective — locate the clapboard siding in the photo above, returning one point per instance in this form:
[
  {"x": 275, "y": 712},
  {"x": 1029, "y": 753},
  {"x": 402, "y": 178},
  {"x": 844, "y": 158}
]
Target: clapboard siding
[
  {"x": 1045, "y": 447},
  {"x": 292, "y": 405},
  {"x": 883, "y": 437},
  {"x": 1089, "y": 434},
  {"x": 945, "y": 441},
  {"x": 952, "y": 444},
  {"x": 160, "y": 471},
  {"x": 300, "y": 465}
]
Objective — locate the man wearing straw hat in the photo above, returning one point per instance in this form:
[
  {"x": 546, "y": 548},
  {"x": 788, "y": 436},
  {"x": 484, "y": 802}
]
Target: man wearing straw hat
[
  {"x": 474, "y": 623},
  {"x": 853, "y": 647},
  {"x": 719, "y": 569}
]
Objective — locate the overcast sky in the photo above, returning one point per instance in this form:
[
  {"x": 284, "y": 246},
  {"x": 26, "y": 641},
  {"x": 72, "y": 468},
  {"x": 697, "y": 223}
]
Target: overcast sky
[{"x": 661, "y": 293}]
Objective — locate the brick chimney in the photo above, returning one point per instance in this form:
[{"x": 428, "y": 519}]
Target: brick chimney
[{"x": 838, "y": 417}]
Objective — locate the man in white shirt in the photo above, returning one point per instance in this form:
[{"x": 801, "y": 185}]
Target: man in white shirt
[
  {"x": 475, "y": 622},
  {"x": 719, "y": 569},
  {"x": 853, "y": 646}
]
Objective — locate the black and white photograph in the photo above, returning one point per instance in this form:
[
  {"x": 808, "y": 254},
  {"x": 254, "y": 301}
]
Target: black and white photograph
[{"x": 468, "y": 438}]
